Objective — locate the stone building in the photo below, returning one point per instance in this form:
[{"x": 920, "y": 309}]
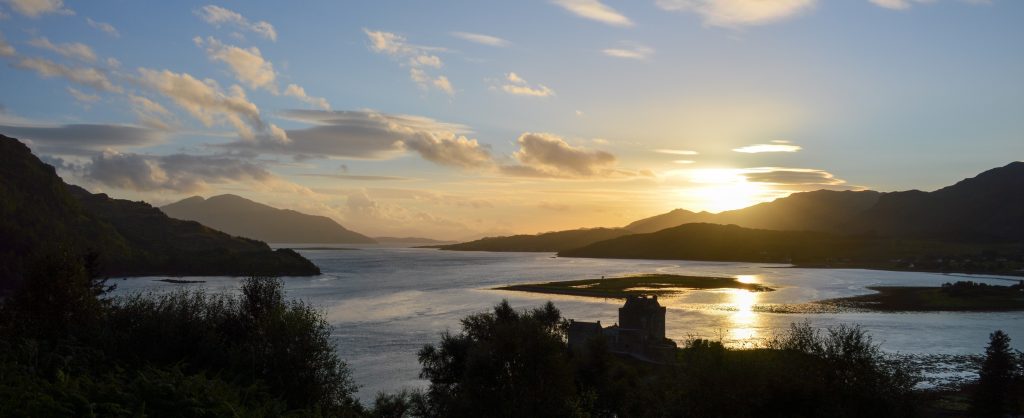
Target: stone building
[{"x": 640, "y": 332}]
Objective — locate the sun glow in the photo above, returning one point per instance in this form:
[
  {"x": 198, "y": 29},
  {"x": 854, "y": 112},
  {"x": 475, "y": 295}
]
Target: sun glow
[{"x": 722, "y": 189}]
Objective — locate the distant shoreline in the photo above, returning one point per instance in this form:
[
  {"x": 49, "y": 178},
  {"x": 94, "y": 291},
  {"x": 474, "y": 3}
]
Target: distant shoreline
[{"x": 622, "y": 287}]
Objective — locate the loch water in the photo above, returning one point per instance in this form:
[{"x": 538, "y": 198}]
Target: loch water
[{"x": 385, "y": 303}]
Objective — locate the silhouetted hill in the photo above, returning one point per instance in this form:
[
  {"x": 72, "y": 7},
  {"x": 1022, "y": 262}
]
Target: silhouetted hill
[
  {"x": 821, "y": 210},
  {"x": 987, "y": 207},
  {"x": 711, "y": 242},
  {"x": 549, "y": 241},
  {"x": 673, "y": 218},
  {"x": 245, "y": 218},
  {"x": 39, "y": 212},
  {"x": 411, "y": 240}
]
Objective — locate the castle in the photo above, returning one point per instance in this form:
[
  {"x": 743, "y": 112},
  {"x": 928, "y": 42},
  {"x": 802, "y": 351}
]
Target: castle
[{"x": 640, "y": 332}]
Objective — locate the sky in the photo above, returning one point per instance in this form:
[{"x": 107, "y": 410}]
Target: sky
[{"x": 461, "y": 119}]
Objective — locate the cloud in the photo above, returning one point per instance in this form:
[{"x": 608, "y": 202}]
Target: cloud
[
  {"x": 791, "y": 176},
  {"x": 82, "y": 139},
  {"x": 83, "y": 97},
  {"x": 449, "y": 149},
  {"x": 630, "y": 51},
  {"x": 297, "y": 91},
  {"x": 734, "y": 13},
  {"x": 247, "y": 65},
  {"x": 543, "y": 154},
  {"x": 150, "y": 113},
  {"x": 358, "y": 177},
  {"x": 363, "y": 134},
  {"x": 74, "y": 50},
  {"x": 516, "y": 85},
  {"x": 417, "y": 57},
  {"x": 373, "y": 135},
  {"x": 205, "y": 101},
  {"x": 82, "y": 75},
  {"x": 481, "y": 39},
  {"x": 759, "y": 148},
  {"x": 676, "y": 151},
  {"x": 898, "y": 4},
  {"x": 217, "y": 16},
  {"x": 594, "y": 10},
  {"x": 6, "y": 50},
  {"x": 36, "y": 8},
  {"x": 179, "y": 173},
  {"x": 104, "y": 27},
  {"x": 425, "y": 81}
]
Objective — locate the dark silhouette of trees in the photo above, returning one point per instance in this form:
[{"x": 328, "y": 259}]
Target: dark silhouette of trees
[
  {"x": 65, "y": 350},
  {"x": 502, "y": 363},
  {"x": 999, "y": 389}
]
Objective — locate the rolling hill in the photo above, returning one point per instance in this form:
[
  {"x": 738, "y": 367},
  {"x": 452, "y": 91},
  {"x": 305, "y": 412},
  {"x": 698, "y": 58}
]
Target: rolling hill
[
  {"x": 39, "y": 213},
  {"x": 245, "y": 218},
  {"x": 546, "y": 242}
]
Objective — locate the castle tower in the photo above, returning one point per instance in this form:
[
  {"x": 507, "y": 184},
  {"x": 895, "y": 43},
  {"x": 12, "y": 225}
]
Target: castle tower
[{"x": 645, "y": 314}]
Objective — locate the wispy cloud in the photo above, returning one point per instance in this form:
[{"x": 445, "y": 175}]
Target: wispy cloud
[
  {"x": 418, "y": 58},
  {"x": 907, "y": 4},
  {"x": 82, "y": 97},
  {"x": 516, "y": 85},
  {"x": 36, "y": 8},
  {"x": 297, "y": 91},
  {"x": 76, "y": 50},
  {"x": 630, "y": 50},
  {"x": 675, "y": 151},
  {"x": 481, "y": 39},
  {"x": 247, "y": 64},
  {"x": 594, "y": 10},
  {"x": 205, "y": 101},
  {"x": 217, "y": 16},
  {"x": 775, "y": 147},
  {"x": 82, "y": 75},
  {"x": 104, "y": 27},
  {"x": 734, "y": 13},
  {"x": 6, "y": 50}
]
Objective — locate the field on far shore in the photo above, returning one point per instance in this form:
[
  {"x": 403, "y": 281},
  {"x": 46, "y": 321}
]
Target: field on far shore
[{"x": 646, "y": 284}]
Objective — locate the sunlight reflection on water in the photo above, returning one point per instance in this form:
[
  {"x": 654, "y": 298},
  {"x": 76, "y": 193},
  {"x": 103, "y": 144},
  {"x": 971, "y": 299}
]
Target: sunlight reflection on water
[{"x": 744, "y": 320}]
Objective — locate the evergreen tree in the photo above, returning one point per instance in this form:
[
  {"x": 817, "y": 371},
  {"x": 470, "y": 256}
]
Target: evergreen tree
[{"x": 995, "y": 381}]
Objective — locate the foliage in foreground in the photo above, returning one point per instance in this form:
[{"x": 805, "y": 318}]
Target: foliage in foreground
[
  {"x": 506, "y": 363},
  {"x": 65, "y": 351}
]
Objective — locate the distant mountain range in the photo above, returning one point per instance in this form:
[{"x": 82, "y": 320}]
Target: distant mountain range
[
  {"x": 40, "y": 213},
  {"x": 712, "y": 242},
  {"x": 983, "y": 212},
  {"x": 546, "y": 242},
  {"x": 245, "y": 218},
  {"x": 411, "y": 241},
  {"x": 988, "y": 207}
]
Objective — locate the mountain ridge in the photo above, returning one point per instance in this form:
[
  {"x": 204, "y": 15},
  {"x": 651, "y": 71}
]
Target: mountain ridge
[
  {"x": 40, "y": 213},
  {"x": 243, "y": 217}
]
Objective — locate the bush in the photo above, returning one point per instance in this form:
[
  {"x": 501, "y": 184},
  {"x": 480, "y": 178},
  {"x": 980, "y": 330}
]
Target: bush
[{"x": 64, "y": 351}]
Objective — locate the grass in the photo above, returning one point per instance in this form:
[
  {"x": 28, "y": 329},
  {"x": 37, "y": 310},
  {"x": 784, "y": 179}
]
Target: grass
[
  {"x": 911, "y": 299},
  {"x": 646, "y": 284}
]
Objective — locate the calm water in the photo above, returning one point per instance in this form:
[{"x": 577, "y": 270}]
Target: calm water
[{"x": 386, "y": 303}]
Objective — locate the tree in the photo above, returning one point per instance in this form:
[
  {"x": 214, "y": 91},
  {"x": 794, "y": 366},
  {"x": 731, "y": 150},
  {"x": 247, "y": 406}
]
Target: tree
[
  {"x": 993, "y": 396},
  {"x": 502, "y": 363}
]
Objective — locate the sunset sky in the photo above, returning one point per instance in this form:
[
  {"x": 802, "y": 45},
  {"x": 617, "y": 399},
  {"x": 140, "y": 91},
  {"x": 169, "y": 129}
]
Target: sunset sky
[{"x": 456, "y": 120}]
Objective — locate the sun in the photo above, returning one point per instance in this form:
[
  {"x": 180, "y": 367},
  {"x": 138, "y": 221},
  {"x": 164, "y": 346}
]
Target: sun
[{"x": 723, "y": 189}]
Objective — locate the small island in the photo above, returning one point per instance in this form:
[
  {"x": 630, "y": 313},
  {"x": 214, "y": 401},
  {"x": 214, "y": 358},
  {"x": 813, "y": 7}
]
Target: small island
[
  {"x": 645, "y": 284},
  {"x": 959, "y": 296}
]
